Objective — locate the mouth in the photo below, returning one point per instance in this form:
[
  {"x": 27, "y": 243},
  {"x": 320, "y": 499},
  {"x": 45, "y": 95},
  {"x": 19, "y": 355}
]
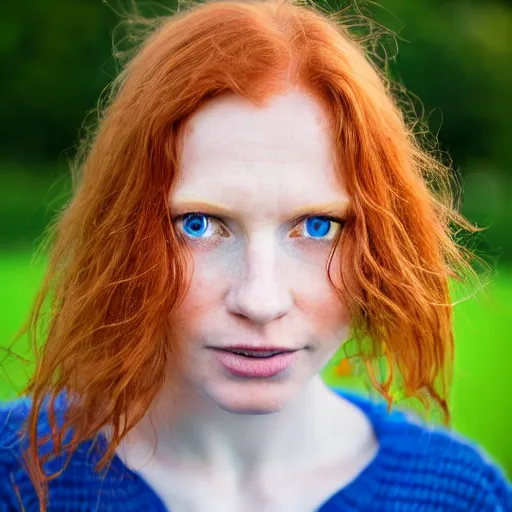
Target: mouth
[
  {"x": 255, "y": 364},
  {"x": 260, "y": 354}
]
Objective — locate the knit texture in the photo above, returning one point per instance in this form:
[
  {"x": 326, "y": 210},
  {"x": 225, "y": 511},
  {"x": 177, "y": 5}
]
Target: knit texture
[{"x": 418, "y": 468}]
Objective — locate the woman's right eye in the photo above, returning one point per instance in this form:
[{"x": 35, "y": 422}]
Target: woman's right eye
[{"x": 198, "y": 226}]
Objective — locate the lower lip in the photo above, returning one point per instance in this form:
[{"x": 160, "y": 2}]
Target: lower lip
[{"x": 243, "y": 366}]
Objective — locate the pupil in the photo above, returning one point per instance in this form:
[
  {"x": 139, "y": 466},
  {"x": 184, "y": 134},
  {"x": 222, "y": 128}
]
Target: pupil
[
  {"x": 317, "y": 226},
  {"x": 195, "y": 224}
]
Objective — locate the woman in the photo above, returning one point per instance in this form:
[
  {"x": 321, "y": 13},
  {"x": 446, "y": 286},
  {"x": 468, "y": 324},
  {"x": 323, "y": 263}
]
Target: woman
[{"x": 251, "y": 199}]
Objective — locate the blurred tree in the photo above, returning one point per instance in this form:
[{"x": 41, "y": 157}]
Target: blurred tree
[
  {"x": 454, "y": 55},
  {"x": 456, "y": 59},
  {"x": 57, "y": 60}
]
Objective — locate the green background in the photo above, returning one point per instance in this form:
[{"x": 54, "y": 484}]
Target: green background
[{"x": 452, "y": 55}]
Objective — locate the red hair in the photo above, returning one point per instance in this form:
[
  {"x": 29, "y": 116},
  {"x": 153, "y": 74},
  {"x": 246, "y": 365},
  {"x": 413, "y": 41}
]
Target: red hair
[{"x": 117, "y": 268}]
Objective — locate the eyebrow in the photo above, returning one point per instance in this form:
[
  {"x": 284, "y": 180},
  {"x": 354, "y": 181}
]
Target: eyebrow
[{"x": 333, "y": 208}]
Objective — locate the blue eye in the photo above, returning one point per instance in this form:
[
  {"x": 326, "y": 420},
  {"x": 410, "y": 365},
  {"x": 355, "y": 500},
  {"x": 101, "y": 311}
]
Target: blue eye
[
  {"x": 200, "y": 227},
  {"x": 318, "y": 226},
  {"x": 195, "y": 224}
]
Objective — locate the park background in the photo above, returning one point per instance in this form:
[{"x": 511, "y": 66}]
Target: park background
[{"x": 455, "y": 59}]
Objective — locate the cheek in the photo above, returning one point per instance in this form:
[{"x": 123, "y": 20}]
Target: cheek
[
  {"x": 325, "y": 312},
  {"x": 320, "y": 302},
  {"x": 203, "y": 296}
]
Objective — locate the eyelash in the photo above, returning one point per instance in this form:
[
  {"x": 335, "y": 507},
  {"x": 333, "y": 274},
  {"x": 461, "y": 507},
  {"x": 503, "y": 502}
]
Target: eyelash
[{"x": 296, "y": 222}]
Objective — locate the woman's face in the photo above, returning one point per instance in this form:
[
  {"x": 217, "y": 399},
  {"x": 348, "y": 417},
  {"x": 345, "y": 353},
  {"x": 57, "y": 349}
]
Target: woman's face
[{"x": 255, "y": 188}]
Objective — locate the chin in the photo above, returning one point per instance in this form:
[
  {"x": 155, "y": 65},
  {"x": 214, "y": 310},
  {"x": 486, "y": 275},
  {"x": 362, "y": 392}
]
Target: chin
[{"x": 251, "y": 396}]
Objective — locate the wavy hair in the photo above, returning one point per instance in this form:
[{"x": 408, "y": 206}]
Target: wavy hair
[{"x": 117, "y": 269}]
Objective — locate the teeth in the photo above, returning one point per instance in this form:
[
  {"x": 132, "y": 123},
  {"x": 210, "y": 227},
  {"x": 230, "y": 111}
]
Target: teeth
[{"x": 258, "y": 354}]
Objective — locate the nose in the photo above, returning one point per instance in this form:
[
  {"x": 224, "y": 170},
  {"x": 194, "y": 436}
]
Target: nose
[{"x": 260, "y": 294}]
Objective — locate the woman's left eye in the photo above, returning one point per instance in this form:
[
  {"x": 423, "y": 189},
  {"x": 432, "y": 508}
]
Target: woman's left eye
[{"x": 322, "y": 228}]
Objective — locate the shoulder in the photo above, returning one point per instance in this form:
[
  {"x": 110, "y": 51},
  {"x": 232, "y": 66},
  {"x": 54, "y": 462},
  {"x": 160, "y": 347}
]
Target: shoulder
[
  {"x": 430, "y": 464},
  {"x": 446, "y": 464},
  {"x": 12, "y": 416},
  {"x": 78, "y": 481}
]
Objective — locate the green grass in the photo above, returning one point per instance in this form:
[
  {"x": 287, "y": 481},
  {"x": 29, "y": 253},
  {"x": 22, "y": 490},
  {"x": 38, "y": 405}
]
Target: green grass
[{"x": 481, "y": 403}]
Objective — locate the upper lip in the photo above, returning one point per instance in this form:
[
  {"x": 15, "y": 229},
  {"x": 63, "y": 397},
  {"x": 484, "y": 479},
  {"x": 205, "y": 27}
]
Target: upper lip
[{"x": 249, "y": 348}]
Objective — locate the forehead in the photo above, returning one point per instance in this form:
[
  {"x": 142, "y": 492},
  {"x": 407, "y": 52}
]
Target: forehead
[{"x": 263, "y": 159}]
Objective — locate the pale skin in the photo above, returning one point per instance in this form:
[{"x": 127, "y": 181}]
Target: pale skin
[{"x": 258, "y": 276}]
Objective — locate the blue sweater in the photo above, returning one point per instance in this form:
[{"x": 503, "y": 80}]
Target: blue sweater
[{"x": 417, "y": 468}]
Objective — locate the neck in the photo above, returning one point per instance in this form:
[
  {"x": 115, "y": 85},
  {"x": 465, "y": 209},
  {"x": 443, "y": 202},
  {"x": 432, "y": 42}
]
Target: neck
[{"x": 311, "y": 429}]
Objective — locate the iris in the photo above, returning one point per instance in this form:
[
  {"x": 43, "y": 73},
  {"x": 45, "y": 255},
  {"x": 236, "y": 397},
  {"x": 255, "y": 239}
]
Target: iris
[
  {"x": 318, "y": 226},
  {"x": 195, "y": 224}
]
